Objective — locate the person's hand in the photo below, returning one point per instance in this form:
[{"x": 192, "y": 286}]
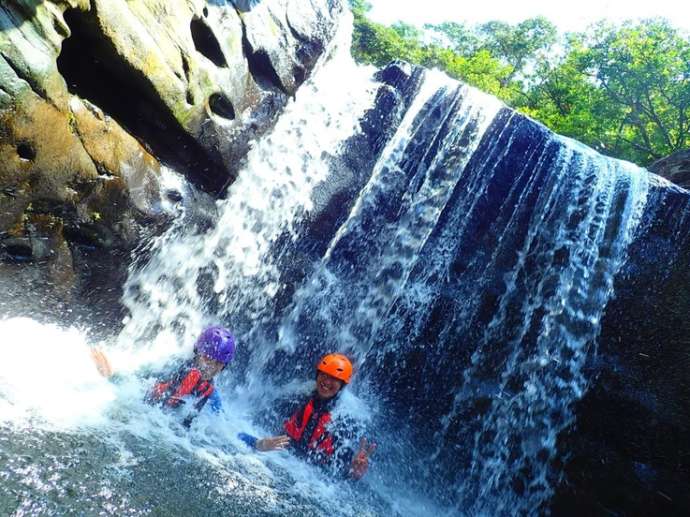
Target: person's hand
[
  {"x": 360, "y": 464},
  {"x": 102, "y": 363},
  {"x": 275, "y": 443}
]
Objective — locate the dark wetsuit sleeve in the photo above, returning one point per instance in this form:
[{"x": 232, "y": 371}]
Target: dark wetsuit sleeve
[{"x": 248, "y": 439}]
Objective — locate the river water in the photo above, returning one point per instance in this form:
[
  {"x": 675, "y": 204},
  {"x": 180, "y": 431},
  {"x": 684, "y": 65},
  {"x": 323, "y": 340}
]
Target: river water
[{"x": 460, "y": 253}]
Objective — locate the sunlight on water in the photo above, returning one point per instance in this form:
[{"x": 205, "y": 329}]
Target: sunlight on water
[
  {"x": 51, "y": 386},
  {"x": 67, "y": 395},
  {"x": 47, "y": 372}
]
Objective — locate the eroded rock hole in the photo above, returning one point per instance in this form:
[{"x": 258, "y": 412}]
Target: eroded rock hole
[
  {"x": 174, "y": 195},
  {"x": 206, "y": 43},
  {"x": 221, "y": 106},
  {"x": 17, "y": 249},
  {"x": 299, "y": 73},
  {"x": 95, "y": 71},
  {"x": 185, "y": 67},
  {"x": 26, "y": 151},
  {"x": 261, "y": 68}
]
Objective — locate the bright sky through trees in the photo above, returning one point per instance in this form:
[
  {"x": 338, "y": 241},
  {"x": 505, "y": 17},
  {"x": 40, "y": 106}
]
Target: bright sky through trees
[{"x": 567, "y": 16}]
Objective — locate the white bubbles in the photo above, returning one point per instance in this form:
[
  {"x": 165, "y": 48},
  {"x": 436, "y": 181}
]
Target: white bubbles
[
  {"x": 263, "y": 205},
  {"x": 47, "y": 375}
]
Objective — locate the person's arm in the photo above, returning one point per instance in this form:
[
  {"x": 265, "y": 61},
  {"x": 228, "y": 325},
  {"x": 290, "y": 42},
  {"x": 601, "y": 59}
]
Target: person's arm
[
  {"x": 348, "y": 460},
  {"x": 273, "y": 443},
  {"x": 102, "y": 363},
  {"x": 281, "y": 410},
  {"x": 214, "y": 402}
]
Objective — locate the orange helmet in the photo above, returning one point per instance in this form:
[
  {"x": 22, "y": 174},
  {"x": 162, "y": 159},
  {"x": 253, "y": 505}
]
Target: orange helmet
[{"x": 336, "y": 365}]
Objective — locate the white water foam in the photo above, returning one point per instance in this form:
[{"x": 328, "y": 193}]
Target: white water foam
[
  {"x": 263, "y": 205},
  {"x": 47, "y": 375},
  {"x": 50, "y": 383}
]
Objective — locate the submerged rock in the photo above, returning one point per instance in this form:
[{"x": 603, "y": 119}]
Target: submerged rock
[{"x": 95, "y": 95}]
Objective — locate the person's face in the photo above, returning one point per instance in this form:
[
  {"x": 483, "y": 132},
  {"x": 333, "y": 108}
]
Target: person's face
[
  {"x": 208, "y": 367},
  {"x": 327, "y": 387}
]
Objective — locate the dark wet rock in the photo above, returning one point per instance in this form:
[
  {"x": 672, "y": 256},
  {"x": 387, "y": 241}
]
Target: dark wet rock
[
  {"x": 629, "y": 449},
  {"x": 174, "y": 196},
  {"x": 283, "y": 38},
  {"x": 397, "y": 74},
  {"x": 675, "y": 168},
  {"x": 624, "y": 448},
  {"x": 18, "y": 249},
  {"x": 89, "y": 235}
]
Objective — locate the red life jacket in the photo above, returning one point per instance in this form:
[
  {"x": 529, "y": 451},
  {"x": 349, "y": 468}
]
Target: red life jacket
[
  {"x": 187, "y": 382},
  {"x": 308, "y": 430}
]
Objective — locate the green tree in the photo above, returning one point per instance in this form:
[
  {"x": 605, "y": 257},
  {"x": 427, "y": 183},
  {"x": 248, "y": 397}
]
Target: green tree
[
  {"x": 624, "y": 90},
  {"x": 376, "y": 44},
  {"x": 518, "y": 46},
  {"x": 459, "y": 37},
  {"x": 360, "y": 7},
  {"x": 407, "y": 31},
  {"x": 568, "y": 102}
]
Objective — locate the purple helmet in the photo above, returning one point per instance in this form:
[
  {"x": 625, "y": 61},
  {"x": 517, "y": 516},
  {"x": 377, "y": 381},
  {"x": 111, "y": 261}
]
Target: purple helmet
[{"x": 216, "y": 343}]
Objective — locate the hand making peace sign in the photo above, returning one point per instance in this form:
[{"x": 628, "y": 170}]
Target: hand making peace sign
[{"x": 360, "y": 463}]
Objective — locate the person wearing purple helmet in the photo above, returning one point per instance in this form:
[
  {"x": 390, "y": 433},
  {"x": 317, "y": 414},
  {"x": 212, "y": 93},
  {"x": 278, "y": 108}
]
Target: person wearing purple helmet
[{"x": 192, "y": 382}]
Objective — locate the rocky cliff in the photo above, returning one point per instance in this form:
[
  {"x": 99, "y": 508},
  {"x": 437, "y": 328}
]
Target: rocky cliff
[
  {"x": 97, "y": 95},
  {"x": 675, "y": 168}
]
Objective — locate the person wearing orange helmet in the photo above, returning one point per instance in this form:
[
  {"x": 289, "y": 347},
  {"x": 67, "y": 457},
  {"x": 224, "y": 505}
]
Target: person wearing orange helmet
[{"x": 311, "y": 432}]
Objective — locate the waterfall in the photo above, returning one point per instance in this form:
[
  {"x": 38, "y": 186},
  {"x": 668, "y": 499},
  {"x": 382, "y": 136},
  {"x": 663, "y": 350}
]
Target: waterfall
[
  {"x": 474, "y": 238},
  {"x": 463, "y": 255},
  {"x": 544, "y": 325},
  {"x": 231, "y": 263}
]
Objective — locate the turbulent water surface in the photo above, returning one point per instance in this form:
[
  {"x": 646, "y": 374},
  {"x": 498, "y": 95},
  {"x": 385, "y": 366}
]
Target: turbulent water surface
[{"x": 462, "y": 254}]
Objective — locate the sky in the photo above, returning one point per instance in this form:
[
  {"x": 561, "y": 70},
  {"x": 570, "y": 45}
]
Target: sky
[{"x": 567, "y": 16}]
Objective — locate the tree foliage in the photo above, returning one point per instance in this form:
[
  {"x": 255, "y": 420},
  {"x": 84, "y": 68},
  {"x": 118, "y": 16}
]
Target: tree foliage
[
  {"x": 625, "y": 90},
  {"x": 641, "y": 74},
  {"x": 377, "y": 44}
]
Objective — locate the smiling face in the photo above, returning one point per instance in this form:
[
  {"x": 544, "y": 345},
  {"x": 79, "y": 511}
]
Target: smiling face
[
  {"x": 327, "y": 387},
  {"x": 208, "y": 367}
]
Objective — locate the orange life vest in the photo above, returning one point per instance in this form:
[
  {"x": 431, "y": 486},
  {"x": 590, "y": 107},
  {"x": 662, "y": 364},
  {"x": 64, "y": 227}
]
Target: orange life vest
[
  {"x": 308, "y": 430},
  {"x": 186, "y": 382}
]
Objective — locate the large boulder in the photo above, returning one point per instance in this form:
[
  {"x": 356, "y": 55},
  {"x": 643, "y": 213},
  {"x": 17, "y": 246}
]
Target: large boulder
[
  {"x": 675, "y": 168},
  {"x": 97, "y": 95}
]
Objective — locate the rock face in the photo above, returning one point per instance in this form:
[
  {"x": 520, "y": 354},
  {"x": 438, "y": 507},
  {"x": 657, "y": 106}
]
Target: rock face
[
  {"x": 96, "y": 95},
  {"x": 516, "y": 296},
  {"x": 675, "y": 168}
]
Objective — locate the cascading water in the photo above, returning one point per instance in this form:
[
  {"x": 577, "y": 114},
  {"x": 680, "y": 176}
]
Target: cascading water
[
  {"x": 459, "y": 252},
  {"x": 231, "y": 265},
  {"x": 576, "y": 240},
  {"x": 544, "y": 219}
]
